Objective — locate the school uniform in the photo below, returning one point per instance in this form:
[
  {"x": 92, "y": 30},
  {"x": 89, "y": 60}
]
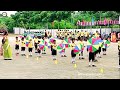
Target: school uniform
[
  {"x": 103, "y": 48},
  {"x": 72, "y": 48},
  {"x": 54, "y": 49},
  {"x": 35, "y": 44},
  {"x": 38, "y": 50},
  {"x": 30, "y": 46},
  {"x": 17, "y": 45},
  {"x": 23, "y": 47}
]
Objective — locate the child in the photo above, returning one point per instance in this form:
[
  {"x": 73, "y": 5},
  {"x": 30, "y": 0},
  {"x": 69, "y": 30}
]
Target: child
[
  {"x": 73, "y": 55},
  {"x": 30, "y": 47},
  {"x": 104, "y": 48},
  {"x": 43, "y": 51},
  {"x": 54, "y": 51},
  {"x": 63, "y": 53},
  {"x": 91, "y": 59},
  {"x": 23, "y": 47},
  {"x": 82, "y": 43},
  {"x": 17, "y": 46},
  {"x": 35, "y": 43},
  {"x": 38, "y": 49}
]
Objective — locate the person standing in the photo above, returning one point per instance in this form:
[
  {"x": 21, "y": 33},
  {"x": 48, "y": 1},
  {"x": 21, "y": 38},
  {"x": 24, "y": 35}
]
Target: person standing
[{"x": 7, "y": 51}]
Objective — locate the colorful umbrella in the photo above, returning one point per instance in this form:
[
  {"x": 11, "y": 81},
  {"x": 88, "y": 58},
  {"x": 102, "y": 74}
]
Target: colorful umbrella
[
  {"x": 77, "y": 49},
  {"x": 106, "y": 43},
  {"x": 67, "y": 40},
  {"x": 60, "y": 46},
  {"x": 27, "y": 42},
  {"x": 63, "y": 50},
  {"x": 92, "y": 44},
  {"x": 20, "y": 36},
  {"x": 51, "y": 40}
]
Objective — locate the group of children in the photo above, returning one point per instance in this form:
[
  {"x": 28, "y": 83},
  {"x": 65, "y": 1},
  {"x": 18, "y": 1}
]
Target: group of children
[{"x": 92, "y": 55}]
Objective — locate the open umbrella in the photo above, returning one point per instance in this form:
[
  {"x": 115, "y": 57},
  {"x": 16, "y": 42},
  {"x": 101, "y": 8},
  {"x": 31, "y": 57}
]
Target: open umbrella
[
  {"x": 67, "y": 40},
  {"x": 77, "y": 49},
  {"x": 92, "y": 44},
  {"x": 60, "y": 47},
  {"x": 51, "y": 40},
  {"x": 106, "y": 43},
  {"x": 27, "y": 42}
]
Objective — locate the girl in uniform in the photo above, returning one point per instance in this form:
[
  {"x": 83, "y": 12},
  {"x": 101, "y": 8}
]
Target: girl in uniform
[
  {"x": 82, "y": 43},
  {"x": 23, "y": 47},
  {"x": 38, "y": 49},
  {"x": 30, "y": 47},
  {"x": 35, "y": 43},
  {"x": 73, "y": 55},
  {"x": 54, "y": 51},
  {"x": 63, "y": 53}
]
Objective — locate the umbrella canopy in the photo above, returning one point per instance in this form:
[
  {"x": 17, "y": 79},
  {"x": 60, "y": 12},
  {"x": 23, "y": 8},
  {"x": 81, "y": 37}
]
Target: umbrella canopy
[
  {"x": 106, "y": 43},
  {"x": 62, "y": 51},
  {"x": 27, "y": 42},
  {"x": 77, "y": 49},
  {"x": 60, "y": 46},
  {"x": 92, "y": 44},
  {"x": 51, "y": 40},
  {"x": 67, "y": 40}
]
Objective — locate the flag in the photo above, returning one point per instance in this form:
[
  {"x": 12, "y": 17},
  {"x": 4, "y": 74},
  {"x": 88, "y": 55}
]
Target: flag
[
  {"x": 92, "y": 21},
  {"x": 119, "y": 19}
]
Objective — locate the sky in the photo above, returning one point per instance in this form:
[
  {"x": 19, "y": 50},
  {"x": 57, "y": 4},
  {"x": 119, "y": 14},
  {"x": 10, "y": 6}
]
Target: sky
[{"x": 8, "y": 12}]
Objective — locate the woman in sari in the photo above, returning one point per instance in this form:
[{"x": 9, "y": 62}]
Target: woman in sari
[{"x": 7, "y": 51}]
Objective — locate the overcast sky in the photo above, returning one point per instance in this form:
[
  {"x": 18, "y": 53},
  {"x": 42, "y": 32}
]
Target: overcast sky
[{"x": 8, "y": 12}]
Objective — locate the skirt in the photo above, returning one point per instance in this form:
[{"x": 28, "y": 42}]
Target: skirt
[
  {"x": 16, "y": 47},
  {"x": 104, "y": 49},
  {"x": 22, "y": 48},
  {"x": 73, "y": 54},
  {"x": 91, "y": 56},
  {"x": 54, "y": 52},
  {"x": 30, "y": 49}
]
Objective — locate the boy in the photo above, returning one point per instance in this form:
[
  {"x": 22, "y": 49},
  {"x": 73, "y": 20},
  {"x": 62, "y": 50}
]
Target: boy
[
  {"x": 38, "y": 49},
  {"x": 17, "y": 45},
  {"x": 73, "y": 55},
  {"x": 43, "y": 51},
  {"x": 54, "y": 51},
  {"x": 30, "y": 47},
  {"x": 35, "y": 43},
  {"x": 23, "y": 47},
  {"x": 63, "y": 53},
  {"x": 81, "y": 42},
  {"x": 104, "y": 48}
]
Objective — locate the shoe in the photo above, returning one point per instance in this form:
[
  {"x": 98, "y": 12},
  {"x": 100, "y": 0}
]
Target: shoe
[
  {"x": 93, "y": 65},
  {"x": 83, "y": 58},
  {"x": 95, "y": 60},
  {"x": 65, "y": 56},
  {"x": 100, "y": 57},
  {"x": 61, "y": 55},
  {"x": 79, "y": 58},
  {"x": 44, "y": 53},
  {"x": 73, "y": 62}
]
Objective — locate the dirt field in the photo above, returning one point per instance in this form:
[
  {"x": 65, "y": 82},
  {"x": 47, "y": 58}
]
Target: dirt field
[{"x": 45, "y": 68}]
